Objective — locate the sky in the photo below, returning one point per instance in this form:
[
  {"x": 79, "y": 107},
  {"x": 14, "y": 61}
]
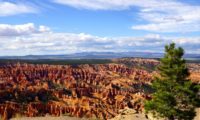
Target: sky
[{"x": 41, "y": 27}]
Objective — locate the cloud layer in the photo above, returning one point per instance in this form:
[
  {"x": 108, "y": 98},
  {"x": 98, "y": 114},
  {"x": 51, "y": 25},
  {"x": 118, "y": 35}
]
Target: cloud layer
[
  {"x": 158, "y": 15},
  {"x": 169, "y": 16},
  {"x": 155, "y": 16},
  {"x": 28, "y": 39},
  {"x": 19, "y": 30},
  {"x": 9, "y": 8}
]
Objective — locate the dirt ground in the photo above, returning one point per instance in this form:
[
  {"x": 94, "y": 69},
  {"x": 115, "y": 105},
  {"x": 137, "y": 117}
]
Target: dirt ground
[{"x": 126, "y": 114}]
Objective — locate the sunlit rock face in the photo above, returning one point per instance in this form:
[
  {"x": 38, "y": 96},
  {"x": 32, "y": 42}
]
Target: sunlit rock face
[
  {"x": 92, "y": 91},
  {"x": 81, "y": 91},
  {"x": 151, "y": 64},
  {"x": 194, "y": 72}
]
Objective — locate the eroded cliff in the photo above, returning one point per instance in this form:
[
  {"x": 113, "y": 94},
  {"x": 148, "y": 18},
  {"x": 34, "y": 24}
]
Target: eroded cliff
[
  {"x": 83, "y": 91},
  {"x": 91, "y": 91}
]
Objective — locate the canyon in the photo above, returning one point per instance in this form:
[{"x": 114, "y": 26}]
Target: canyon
[{"x": 85, "y": 91}]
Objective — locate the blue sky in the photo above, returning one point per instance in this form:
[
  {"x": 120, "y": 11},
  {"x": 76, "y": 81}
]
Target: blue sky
[{"x": 70, "y": 26}]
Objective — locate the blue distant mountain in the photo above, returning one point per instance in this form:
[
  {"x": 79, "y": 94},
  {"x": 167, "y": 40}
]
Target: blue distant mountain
[{"x": 98, "y": 55}]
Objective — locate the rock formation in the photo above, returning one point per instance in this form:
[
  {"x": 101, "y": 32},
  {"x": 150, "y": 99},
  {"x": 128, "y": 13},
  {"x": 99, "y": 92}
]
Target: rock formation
[{"x": 77, "y": 90}]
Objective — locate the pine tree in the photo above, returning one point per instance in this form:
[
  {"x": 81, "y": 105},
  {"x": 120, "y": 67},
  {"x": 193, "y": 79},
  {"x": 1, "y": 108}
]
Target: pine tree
[{"x": 174, "y": 94}]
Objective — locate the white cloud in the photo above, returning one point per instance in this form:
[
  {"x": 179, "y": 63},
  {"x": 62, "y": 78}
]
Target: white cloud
[
  {"x": 158, "y": 15},
  {"x": 35, "y": 40},
  {"x": 114, "y": 4},
  {"x": 43, "y": 28},
  {"x": 24, "y": 29},
  {"x": 169, "y": 27},
  {"x": 170, "y": 16},
  {"x": 8, "y": 8},
  {"x": 97, "y": 4}
]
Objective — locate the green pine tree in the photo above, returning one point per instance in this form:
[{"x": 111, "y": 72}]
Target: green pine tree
[{"x": 175, "y": 96}]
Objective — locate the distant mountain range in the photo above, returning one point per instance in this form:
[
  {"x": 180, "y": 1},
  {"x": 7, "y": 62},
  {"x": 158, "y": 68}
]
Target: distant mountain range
[{"x": 97, "y": 55}]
